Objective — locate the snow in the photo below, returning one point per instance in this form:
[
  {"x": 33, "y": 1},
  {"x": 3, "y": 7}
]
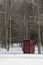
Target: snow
[
  {"x": 16, "y": 49},
  {"x": 11, "y": 51},
  {"x": 36, "y": 49}
]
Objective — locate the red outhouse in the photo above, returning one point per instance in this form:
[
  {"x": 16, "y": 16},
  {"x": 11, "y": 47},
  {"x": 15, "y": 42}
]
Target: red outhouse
[
  {"x": 31, "y": 47},
  {"x": 28, "y": 46}
]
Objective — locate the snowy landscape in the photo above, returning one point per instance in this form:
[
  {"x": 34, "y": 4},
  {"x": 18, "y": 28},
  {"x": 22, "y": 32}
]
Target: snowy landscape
[
  {"x": 16, "y": 49},
  {"x": 21, "y": 21}
]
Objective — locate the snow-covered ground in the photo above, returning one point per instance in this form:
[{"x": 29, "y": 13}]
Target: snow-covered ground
[
  {"x": 16, "y": 49},
  {"x": 36, "y": 49}
]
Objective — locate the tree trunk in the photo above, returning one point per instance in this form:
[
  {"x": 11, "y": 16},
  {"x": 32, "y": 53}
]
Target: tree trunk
[{"x": 39, "y": 35}]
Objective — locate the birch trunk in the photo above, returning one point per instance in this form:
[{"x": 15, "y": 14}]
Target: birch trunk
[{"x": 39, "y": 34}]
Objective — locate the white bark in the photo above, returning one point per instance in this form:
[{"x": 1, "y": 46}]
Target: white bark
[{"x": 39, "y": 35}]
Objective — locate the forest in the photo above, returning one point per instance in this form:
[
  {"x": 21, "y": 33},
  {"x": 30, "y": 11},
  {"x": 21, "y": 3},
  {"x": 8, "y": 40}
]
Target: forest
[{"x": 21, "y": 20}]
